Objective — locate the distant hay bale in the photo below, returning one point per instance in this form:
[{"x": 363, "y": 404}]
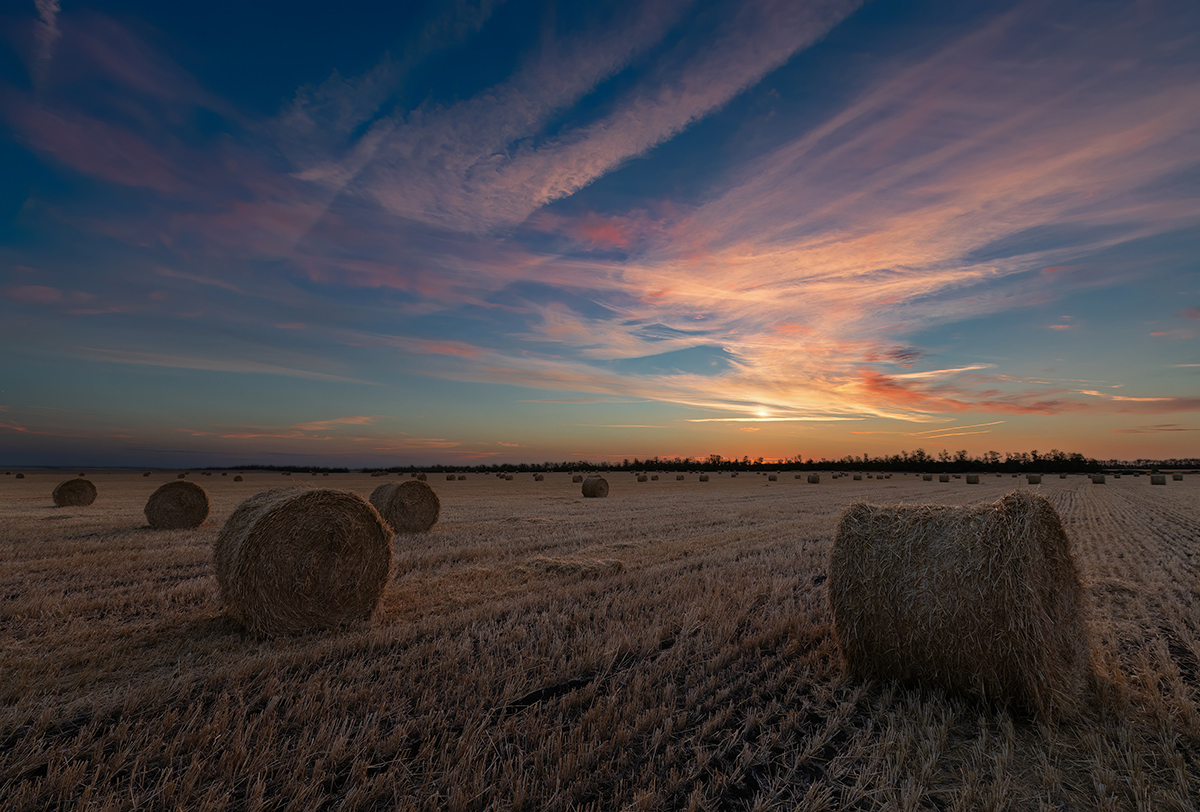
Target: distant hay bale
[
  {"x": 1177, "y": 477},
  {"x": 1097, "y": 479},
  {"x": 981, "y": 599},
  {"x": 814, "y": 479},
  {"x": 76, "y": 492},
  {"x": 508, "y": 477},
  {"x": 323, "y": 473},
  {"x": 293, "y": 559},
  {"x": 735, "y": 473},
  {"x": 180, "y": 476},
  {"x": 237, "y": 478},
  {"x": 177, "y": 506},
  {"x": 773, "y": 478},
  {"x": 1158, "y": 479},
  {"x": 643, "y": 478},
  {"x": 1034, "y": 479},
  {"x": 462, "y": 477},
  {"x": 704, "y": 477},
  {"x": 226, "y": 473},
  {"x": 422, "y": 478},
  {"x": 287, "y": 473},
  {"x": 539, "y": 477},
  {"x": 1116, "y": 476},
  {"x": 451, "y": 478},
  {"x": 654, "y": 477},
  {"x": 595, "y": 487},
  {"x": 145, "y": 473},
  {"x": 927, "y": 477},
  {"x": 943, "y": 477},
  {"x": 858, "y": 477},
  {"x": 407, "y": 507},
  {"x": 972, "y": 479},
  {"x": 1062, "y": 476},
  {"x": 680, "y": 477},
  {"x": 205, "y": 473},
  {"x": 577, "y": 478},
  {"x": 19, "y": 476}
]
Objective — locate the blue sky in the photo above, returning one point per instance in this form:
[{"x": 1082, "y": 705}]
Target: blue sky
[{"x": 497, "y": 231}]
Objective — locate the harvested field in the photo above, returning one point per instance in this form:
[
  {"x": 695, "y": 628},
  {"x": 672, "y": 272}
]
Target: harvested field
[{"x": 664, "y": 648}]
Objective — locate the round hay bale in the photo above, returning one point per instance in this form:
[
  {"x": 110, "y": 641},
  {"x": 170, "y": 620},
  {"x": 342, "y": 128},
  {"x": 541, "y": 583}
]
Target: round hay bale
[
  {"x": 293, "y": 559},
  {"x": 679, "y": 477},
  {"x": 422, "y": 478},
  {"x": 76, "y": 492},
  {"x": 462, "y": 477},
  {"x": 972, "y": 479},
  {"x": 287, "y": 473},
  {"x": 643, "y": 478},
  {"x": 943, "y": 477},
  {"x": 408, "y": 507},
  {"x": 773, "y": 478},
  {"x": 237, "y": 478},
  {"x": 177, "y": 506},
  {"x": 735, "y": 473},
  {"x": 857, "y": 477},
  {"x": 451, "y": 478},
  {"x": 508, "y": 477},
  {"x": 323, "y": 473},
  {"x": 814, "y": 479},
  {"x": 1116, "y": 476},
  {"x": 927, "y": 477},
  {"x": 595, "y": 487},
  {"x": 1158, "y": 479},
  {"x": 1062, "y": 476},
  {"x": 1034, "y": 479},
  {"x": 539, "y": 477},
  {"x": 1177, "y": 477},
  {"x": 1097, "y": 479},
  {"x": 654, "y": 477},
  {"x": 704, "y": 477},
  {"x": 978, "y": 599},
  {"x": 145, "y": 473},
  {"x": 180, "y": 476},
  {"x": 577, "y": 478},
  {"x": 82, "y": 473},
  {"x": 19, "y": 476}
]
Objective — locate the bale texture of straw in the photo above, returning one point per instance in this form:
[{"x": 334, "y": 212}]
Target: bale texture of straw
[
  {"x": 943, "y": 477},
  {"x": 77, "y": 492},
  {"x": 1034, "y": 479},
  {"x": 1097, "y": 479},
  {"x": 177, "y": 505},
  {"x": 237, "y": 478},
  {"x": 814, "y": 479},
  {"x": 972, "y": 479},
  {"x": 407, "y": 507},
  {"x": 294, "y": 559},
  {"x": 1158, "y": 479},
  {"x": 577, "y": 478},
  {"x": 595, "y": 487},
  {"x": 980, "y": 599}
]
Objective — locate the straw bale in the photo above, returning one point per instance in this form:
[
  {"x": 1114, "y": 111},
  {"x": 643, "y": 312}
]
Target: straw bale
[
  {"x": 943, "y": 477},
  {"x": 145, "y": 473},
  {"x": 462, "y": 477},
  {"x": 927, "y": 477},
  {"x": 294, "y": 559},
  {"x": 408, "y": 507},
  {"x": 1097, "y": 479},
  {"x": 979, "y": 599},
  {"x": 180, "y": 476},
  {"x": 654, "y": 477},
  {"x": 814, "y": 479},
  {"x": 679, "y": 477},
  {"x": 539, "y": 477},
  {"x": 237, "y": 478},
  {"x": 76, "y": 492},
  {"x": 1158, "y": 479},
  {"x": 595, "y": 487},
  {"x": 704, "y": 477},
  {"x": 177, "y": 505},
  {"x": 508, "y": 477},
  {"x": 1062, "y": 476},
  {"x": 1034, "y": 479},
  {"x": 972, "y": 479},
  {"x": 577, "y": 478},
  {"x": 1177, "y": 477},
  {"x": 643, "y": 478},
  {"x": 422, "y": 478},
  {"x": 451, "y": 478},
  {"x": 773, "y": 478},
  {"x": 858, "y": 477},
  {"x": 19, "y": 476}
]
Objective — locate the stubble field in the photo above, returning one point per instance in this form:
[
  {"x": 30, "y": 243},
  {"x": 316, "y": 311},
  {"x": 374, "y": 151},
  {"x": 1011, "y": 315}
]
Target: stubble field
[{"x": 668, "y": 647}]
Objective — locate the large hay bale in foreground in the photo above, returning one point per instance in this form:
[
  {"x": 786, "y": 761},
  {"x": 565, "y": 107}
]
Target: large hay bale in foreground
[
  {"x": 177, "y": 505},
  {"x": 294, "y": 559},
  {"x": 77, "y": 492},
  {"x": 408, "y": 507},
  {"x": 981, "y": 599},
  {"x": 595, "y": 487}
]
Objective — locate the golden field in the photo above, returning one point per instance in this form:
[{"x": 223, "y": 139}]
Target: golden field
[{"x": 668, "y": 647}]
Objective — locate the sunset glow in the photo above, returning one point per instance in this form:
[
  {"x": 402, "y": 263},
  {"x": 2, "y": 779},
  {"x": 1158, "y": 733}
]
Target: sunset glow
[{"x": 452, "y": 233}]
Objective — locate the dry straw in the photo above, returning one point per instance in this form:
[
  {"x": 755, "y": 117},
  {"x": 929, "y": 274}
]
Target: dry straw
[
  {"x": 972, "y": 479},
  {"x": 595, "y": 487},
  {"x": 177, "y": 506},
  {"x": 76, "y": 492},
  {"x": 982, "y": 599},
  {"x": 294, "y": 559},
  {"x": 408, "y": 507},
  {"x": 508, "y": 477}
]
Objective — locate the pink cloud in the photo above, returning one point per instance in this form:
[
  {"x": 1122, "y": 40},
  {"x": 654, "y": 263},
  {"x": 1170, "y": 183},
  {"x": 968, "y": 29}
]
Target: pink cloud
[
  {"x": 1190, "y": 313},
  {"x": 35, "y": 294}
]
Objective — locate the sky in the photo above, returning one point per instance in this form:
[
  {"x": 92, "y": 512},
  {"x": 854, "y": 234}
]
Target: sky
[{"x": 366, "y": 234}]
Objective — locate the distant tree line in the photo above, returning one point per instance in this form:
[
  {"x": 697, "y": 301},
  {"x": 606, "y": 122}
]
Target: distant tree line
[{"x": 943, "y": 462}]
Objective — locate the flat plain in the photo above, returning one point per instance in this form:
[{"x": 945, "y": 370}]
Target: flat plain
[{"x": 668, "y": 647}]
